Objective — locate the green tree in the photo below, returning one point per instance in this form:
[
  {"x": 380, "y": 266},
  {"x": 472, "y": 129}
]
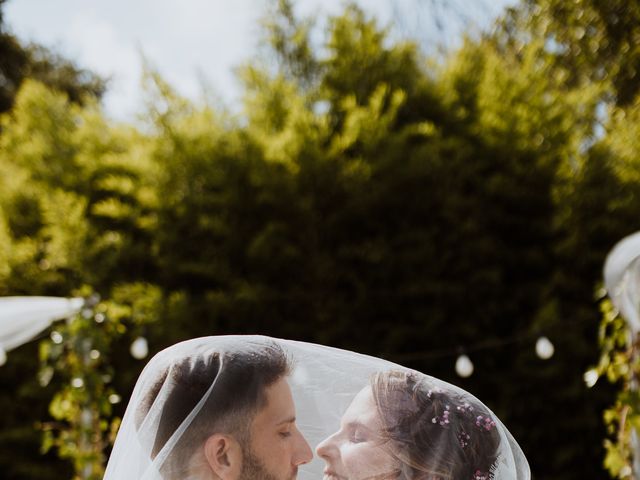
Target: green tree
[
  {"x": 19, "y": 62},
  {"x": 367, "y": 198},
  {"x": 593, "y": 41},
  {"x": 78, "y": 207}
]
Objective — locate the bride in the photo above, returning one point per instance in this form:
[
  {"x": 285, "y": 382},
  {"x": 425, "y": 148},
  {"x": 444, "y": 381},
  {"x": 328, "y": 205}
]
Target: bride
[{"x": 402, "y": 426}]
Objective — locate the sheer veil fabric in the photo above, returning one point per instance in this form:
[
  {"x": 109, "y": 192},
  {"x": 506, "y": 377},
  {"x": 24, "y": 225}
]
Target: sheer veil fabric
[{"x": 223, "y": 407}]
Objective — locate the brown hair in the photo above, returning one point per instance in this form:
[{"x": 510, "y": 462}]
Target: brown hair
[
  {"x": 432, "y": 432},
  {"x": 229, "y": 407}
]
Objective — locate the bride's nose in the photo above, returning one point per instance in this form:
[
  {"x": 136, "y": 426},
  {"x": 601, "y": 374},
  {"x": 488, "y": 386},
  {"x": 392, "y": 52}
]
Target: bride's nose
[{"x": 327, "y": 447}]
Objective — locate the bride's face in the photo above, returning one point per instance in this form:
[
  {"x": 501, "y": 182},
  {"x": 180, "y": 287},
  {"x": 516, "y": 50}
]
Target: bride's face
[{"x": 357, "y": 451}]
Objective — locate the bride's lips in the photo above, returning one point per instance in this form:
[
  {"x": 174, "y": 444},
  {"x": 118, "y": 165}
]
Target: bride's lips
[{"x": 331, "y": 475}]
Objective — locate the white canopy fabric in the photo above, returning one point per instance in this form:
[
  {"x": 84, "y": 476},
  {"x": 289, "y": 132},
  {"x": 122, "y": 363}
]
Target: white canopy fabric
[
  {"x": 622, "y": 279},
  {"x": 253, "y": 407},
  {"x": 22, "y": 318}
]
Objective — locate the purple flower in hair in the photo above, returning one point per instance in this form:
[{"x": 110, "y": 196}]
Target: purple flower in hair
[
  {"x": 463, "y": 438},
  {"x": 485, "y": 422},
  {"x": 478, "y": 475}
]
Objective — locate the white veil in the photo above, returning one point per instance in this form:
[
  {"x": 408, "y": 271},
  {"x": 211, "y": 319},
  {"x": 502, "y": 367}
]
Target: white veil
[{"x": 427, "y": 425}]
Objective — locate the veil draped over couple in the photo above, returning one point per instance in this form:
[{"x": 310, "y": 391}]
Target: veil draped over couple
[{"x": 257, "y": 408}]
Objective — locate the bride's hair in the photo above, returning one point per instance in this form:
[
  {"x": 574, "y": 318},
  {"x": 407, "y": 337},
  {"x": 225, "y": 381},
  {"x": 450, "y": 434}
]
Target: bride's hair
[
  {"x": 434, "y": 433},
  {"x": 231, "y": 387}
]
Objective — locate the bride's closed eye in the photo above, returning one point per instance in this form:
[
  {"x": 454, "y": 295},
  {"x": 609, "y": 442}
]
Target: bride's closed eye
[{"x": 358, "y": 435}]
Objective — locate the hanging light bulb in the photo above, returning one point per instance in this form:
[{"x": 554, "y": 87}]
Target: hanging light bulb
[
  {"x": 544, "y": 348},
  {"x": 464, "y": 366},
  {"x": 3, "y": 356},
  {"x": 139, "y": 348},
  {"x": 77, "y": 382},
  {"x": 590, "y": 377},
  {"x": 56, "y": 337}
]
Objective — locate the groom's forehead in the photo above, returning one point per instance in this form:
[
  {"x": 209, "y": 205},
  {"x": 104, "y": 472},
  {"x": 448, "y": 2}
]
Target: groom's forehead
[{"x": 278, "y": 408}]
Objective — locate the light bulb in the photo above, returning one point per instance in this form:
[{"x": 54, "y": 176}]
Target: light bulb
[
  {"x": 56, "y": 337},
  {"x": 139, "y": 348},
  {"x": 590, "y": 377},
  {"x": 544, "y": 348},
  {"x": 464, "y": 366}
]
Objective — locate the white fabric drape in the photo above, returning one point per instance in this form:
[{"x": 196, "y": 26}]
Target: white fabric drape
[
  {"x": 22, "y": 318},
  {"x": 192, "y": 395},
  {"x": 622, "y": 278},
  {"x": 622, "y": 281}
]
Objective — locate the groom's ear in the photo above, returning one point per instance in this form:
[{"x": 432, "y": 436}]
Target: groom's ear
[{"x": 224, "y": 456}]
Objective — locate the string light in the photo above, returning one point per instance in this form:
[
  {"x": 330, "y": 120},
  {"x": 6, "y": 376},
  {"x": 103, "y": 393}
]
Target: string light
[
  {"x": 77, "y": 382},
  {"x": 464, "y": 366},
  {"x": 544, "y": 348},
  {"x": 590, "y": 377},
  {"x": 139, "y": 348}
]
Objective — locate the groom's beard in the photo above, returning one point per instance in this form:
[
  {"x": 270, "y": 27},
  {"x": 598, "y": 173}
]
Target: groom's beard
[{"x": 254, "y": 469}]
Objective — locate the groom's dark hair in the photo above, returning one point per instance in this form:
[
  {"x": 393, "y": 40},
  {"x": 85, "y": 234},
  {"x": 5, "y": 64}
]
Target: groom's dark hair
[{"x": 231, "y": 386}]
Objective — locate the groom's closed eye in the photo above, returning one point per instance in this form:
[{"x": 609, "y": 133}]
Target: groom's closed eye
[{"x": 285, "y": 426}]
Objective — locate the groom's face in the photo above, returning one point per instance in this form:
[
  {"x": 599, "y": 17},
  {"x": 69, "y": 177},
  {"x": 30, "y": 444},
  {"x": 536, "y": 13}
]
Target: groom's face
[{"x": 276, "y": 446}]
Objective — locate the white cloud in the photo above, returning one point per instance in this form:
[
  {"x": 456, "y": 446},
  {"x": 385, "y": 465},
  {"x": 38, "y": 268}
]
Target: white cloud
[
  {"x": 103, "y": 50},
  {"x": 184, "y": 39}
]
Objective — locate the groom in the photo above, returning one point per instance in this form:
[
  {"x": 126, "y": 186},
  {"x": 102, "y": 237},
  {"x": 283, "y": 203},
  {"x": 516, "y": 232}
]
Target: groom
[{"x": 244, "y": 430}]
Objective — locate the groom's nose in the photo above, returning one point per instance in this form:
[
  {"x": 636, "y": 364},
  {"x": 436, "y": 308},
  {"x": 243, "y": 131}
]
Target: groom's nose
[{"x": 302, "y": 453}]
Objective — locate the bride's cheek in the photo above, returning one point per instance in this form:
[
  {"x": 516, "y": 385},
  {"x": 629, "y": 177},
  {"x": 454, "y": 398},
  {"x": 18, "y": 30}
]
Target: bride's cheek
[{"x": 358, "y": 455}]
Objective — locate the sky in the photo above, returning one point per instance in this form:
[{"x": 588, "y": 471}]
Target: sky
[{"x": 199, "y": 42}]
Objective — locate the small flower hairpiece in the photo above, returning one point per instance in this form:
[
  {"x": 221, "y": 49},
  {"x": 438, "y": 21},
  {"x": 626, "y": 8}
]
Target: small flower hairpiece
[
  {"x": 478, "y": 475},
  {"x": 485, "y": 422},
  {"x": 465, "y": 408},
  {"x": 463, "y": 438},
  {"x": 434, "y": 390},
  {"x": 445, "y": 417}
]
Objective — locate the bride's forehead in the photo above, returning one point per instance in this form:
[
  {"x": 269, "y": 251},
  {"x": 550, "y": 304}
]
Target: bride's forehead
[{"x": 362, "y": 408}]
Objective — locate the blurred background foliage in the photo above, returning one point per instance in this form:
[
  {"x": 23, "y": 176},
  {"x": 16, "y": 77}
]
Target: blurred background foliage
[{"x": 368, "y": 198}]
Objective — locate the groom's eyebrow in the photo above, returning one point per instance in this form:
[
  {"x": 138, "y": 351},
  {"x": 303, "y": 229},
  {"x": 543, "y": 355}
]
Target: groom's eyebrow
[{"x": 286, "y": 420}]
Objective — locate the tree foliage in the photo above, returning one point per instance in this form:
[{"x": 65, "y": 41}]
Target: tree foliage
[
  {"x": 592, "y": 41},
  {"x": 19, "y": 62},
  {"x": 367, "y": 198}
]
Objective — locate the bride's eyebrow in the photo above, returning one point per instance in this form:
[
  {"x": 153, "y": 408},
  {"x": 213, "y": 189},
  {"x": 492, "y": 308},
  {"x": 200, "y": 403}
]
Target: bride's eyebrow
[{"x": 356, "y": 424}]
